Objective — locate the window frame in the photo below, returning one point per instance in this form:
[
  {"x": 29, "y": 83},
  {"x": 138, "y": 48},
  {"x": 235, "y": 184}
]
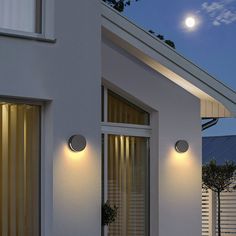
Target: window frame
[
  {"x": 122, "y": 129},
  {"x": 46, "y": 33}
]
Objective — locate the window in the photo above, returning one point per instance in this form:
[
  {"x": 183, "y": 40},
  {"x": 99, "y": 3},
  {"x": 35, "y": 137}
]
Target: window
[
  {"x": 126, "y": 134},
  {"x": 122, "y": 111},
  {"x": 21, "y": 15},
  {"x": 19, "y": 169}
]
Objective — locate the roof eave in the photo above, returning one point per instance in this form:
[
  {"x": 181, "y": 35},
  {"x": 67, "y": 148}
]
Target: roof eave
[{"x": 164, "y": 59}]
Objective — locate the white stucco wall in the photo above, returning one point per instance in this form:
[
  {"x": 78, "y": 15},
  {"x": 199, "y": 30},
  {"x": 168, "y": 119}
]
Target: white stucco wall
[
  {"x": 68, "y": 74},
  {"x": 175, "y": 179}
]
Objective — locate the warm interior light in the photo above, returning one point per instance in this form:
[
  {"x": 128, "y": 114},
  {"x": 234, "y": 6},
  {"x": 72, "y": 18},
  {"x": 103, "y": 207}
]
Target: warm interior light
[{"x": 77, "y": 143}]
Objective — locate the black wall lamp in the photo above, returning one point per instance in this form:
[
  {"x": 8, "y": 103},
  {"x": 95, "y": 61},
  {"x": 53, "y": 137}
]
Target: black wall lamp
[
  {"x": 77, "y": 143},
  {"x": 181, "y": 146}
]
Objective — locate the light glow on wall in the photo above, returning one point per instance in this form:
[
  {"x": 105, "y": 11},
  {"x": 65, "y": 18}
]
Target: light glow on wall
[
  {"x": 178, "y": 158},
  {"x": 74, "y": 155},
  {"x": 77, "y": 181},
  {"x": 180, "y": 170}
]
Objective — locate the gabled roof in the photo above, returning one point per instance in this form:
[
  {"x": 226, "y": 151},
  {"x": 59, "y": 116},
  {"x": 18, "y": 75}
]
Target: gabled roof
[
  {"x": 220, "y": 148},
  {"x": 217, "y": 100}
]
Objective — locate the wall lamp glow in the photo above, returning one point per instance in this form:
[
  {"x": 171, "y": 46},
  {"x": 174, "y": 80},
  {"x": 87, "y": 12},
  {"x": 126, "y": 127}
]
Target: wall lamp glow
[
  {"x": 181, "y": 146},
  {"x": 77, "y": 143}
]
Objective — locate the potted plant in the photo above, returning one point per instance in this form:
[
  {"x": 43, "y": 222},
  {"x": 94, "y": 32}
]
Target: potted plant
[{"x": 109, "y": 213}]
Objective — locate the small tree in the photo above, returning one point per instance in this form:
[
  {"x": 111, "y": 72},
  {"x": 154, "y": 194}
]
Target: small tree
[{"x": 218, "y": 178}]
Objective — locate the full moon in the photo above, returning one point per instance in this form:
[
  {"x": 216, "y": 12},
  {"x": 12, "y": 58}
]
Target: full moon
[{"x": 190, "y": 22}]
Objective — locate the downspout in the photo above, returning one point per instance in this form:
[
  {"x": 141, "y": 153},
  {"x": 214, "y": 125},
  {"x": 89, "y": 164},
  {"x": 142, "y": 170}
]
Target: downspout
[{"x": 210, "y": 123}]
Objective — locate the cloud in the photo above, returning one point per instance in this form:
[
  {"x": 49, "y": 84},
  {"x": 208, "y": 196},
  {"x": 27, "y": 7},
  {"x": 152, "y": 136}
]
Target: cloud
[
  {"x": 220, "y": 12},
  {"x": 213, "y": 7}
]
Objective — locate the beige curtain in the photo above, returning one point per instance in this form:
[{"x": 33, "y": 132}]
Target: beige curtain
[
  {"x": 19, "y": 169},
  {"x": 122, "y": 111},
  {"x": 128, "y": 184}
]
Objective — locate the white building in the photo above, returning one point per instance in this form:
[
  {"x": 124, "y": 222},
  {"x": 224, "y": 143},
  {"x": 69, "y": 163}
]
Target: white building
[{"x": 54, "y": 64}]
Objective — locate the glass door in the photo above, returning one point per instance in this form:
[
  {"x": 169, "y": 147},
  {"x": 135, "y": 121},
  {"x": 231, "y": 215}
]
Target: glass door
[
  {"x": 126, "y": 132},
  {"x": 126, "y": 166}
]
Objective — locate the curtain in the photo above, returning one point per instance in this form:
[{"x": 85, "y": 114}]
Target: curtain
[
  {"x": 19, "y": 169},
  {"x": 128, "y": 184},
  {"x": 19, "y": 14},
  {"x": 122, "y": 111}
]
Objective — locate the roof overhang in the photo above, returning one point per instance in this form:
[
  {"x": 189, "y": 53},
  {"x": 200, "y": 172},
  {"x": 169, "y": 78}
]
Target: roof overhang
[{"x": 217, "y": 100}]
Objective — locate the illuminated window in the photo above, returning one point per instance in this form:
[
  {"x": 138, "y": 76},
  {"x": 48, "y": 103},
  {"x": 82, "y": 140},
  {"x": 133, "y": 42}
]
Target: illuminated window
[
  {"x": 122, "y": 111},
  {"x": 19, "y": 169},
  {"x": 126, "y": 134},
  {"x": 21, "y": 15}
]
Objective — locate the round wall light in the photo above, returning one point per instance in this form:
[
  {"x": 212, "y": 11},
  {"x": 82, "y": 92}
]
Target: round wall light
[
  {"x": 77, "y": 143},
  {"x": 181, "y": 146}
]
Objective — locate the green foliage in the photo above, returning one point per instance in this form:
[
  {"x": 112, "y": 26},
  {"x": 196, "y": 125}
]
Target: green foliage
[
  {"x": 218, "y": 177},
  {"x": 151, "y": 31},
  {"x": 170, "y": 43},
  {"x": 161, "y": 37},
  {"x": 109, "y": 213},
  {"x": 119, "y": 5}
]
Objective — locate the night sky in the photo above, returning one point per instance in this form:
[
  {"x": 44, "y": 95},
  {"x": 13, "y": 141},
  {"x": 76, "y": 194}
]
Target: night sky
[{"x": 211, "y": 44}]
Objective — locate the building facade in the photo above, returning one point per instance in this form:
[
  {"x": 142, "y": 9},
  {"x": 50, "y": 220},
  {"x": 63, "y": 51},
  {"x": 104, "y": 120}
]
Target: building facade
[{"x": 82, "y": 68}]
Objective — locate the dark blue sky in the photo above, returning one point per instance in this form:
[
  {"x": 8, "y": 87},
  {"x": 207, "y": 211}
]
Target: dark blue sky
[{"x": 212, "y": 45}]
